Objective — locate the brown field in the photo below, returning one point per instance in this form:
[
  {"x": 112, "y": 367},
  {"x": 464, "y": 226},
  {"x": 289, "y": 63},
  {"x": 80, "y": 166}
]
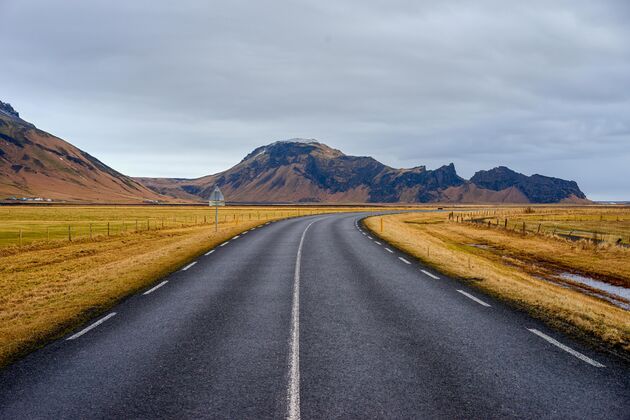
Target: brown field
[
  {"x": 526, "y": 268},
  {"x": 49, "y": 287}
]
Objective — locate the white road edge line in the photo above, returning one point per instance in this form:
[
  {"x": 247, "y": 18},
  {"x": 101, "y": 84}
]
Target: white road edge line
[
  {"x": 567, "y": 349},
  {"x": 293, "y": 391},
  {"x": 236, "y": 237},
  {"x": 389, "y": 250},
  {"x": 225, "y": 243},
  {"x": 377, "y": 242},
  {"x": 369, "y": 237},
  {"x": 404, "y": 260},
  {"x": 189, "y": 265},
  {"x": 155, "y": 288},
  {"x": 433, "y": 276},
  {"x": 209, "y": 252},
  {"x": 94, "y": 325},
  {"x": 469, "y": 296}
]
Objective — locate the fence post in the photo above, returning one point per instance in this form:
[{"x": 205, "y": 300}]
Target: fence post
[
  {"x": 107, "y": 228},
  {"x": 20, "y": 237},
  {"x": 69, "y": 234},
  {"x": 90, "y": 231},
  {"x": 136, "y": 225},
  {"x": 381, "y": 225}
]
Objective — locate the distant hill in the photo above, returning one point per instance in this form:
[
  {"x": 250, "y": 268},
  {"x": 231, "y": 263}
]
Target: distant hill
[
  {"x": 300, "y": 170},
  {"x": 35, "y": 164}
]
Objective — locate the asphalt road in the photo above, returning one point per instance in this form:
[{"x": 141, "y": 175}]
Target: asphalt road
[{"x": 310, "y": 317}]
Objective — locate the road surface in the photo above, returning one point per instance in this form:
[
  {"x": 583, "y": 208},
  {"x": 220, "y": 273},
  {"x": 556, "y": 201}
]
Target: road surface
[{"x": 312, "y": 318}]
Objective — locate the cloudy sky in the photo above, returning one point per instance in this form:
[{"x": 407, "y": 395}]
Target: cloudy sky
[{"x": 186, "y": 88}]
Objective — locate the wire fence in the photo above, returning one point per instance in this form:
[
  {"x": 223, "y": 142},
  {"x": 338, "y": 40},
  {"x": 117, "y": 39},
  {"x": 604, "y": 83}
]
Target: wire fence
[
  {"x": 24, "y": 233},
  {"x": 542, "y": 227}
]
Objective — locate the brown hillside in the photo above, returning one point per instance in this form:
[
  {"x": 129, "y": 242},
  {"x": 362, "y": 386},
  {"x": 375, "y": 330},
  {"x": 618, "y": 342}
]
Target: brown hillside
[{"x": 34, "y": 163}]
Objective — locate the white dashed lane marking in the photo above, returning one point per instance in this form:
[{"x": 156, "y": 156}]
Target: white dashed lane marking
[
  {"x": 153, "y": 289},
  {"x": 189, "y": 265},
  {"x": 209, "y": 252},
  {"x": 469, "y": 296},
  {"x": 92, "y": 326},
  {"x": 389, "y": 250},
  {"x": 566, "y": 348},
  {"x": 404, "y": 260},
  {"x": 433, "y": 276}
]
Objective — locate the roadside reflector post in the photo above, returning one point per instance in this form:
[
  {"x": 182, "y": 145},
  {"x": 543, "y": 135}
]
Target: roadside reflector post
[
  {"x": 216, "y": 199},
  {"x": 381, "y": 225}
]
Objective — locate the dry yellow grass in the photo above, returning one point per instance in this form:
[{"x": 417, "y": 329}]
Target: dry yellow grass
[
  {"x": 48, "y": 288},
  {"x": 433, "y": 239}
]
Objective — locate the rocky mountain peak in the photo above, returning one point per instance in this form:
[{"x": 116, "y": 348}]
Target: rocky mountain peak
[{"x": 7, "y": 109}]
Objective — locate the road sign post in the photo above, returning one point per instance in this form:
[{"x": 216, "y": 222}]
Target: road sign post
[{"x": 216, "y": 200}]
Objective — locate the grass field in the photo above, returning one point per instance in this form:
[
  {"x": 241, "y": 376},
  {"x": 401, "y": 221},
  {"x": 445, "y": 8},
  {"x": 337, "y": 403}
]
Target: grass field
[
  {"x": 609, "y": 224},
  {"x": 49, "y": 287},
  {"x": 24, "y": 225},
  {"x": 525, "y": 268}
]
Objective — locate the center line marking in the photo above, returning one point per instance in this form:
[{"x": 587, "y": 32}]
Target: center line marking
[
  {"x": 209, "y": 252},
  {"x": 293, "y": 391},
  {"x": 433, "y": 276},
  {"x": 469, "y": 296},
  {"x": 389, "y": 250},
  {"x": 404, "y": 260},
  {"x": 155, "y": 288},
  {"x": 96, "y": 324},
  {"x": 566, "y": 348},
  {"x": 189, "y": 265}
]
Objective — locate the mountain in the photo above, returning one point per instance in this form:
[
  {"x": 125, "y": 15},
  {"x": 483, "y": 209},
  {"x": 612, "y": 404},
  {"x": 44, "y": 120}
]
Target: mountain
[
  {"x": 536, "y": 188},
  {"x": 300, "y": 170},
  {"x": 35, "y": 164}
]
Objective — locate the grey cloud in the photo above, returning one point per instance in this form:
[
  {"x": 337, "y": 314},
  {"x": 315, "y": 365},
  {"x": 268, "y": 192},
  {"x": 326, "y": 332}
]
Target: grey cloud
[{"x": 191, "y": 86}]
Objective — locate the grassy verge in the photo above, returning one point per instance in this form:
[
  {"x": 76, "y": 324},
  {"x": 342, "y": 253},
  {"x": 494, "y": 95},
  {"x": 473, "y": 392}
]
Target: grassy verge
[
  {"x": 48, "y": 291},
  {"x": 448, "y": 247}
]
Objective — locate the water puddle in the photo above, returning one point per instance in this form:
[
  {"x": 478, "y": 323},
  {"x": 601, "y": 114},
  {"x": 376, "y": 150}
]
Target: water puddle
[
  {"x": 481, "y": 246},
  {"x": 618, "y": 295}
]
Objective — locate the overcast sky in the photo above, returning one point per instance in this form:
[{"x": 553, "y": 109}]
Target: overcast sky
[{"x": 187, "y": 88}]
